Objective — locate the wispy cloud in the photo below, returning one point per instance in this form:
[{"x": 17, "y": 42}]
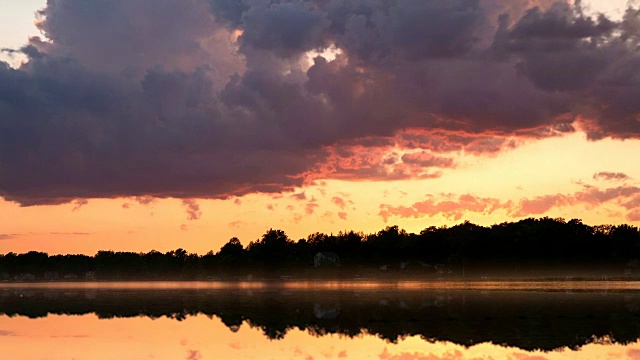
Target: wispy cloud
[
  {"x": 611, "y": 176},
  {"x": 79, "y": 204},
  {"x": 193, "y": 209}
]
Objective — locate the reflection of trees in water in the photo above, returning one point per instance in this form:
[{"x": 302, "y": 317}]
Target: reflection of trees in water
[{"x": 525, "y": 319}]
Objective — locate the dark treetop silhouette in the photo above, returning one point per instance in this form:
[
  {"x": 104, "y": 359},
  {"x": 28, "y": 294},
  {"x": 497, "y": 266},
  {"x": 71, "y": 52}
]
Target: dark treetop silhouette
[{"x": 527, "y": 248}]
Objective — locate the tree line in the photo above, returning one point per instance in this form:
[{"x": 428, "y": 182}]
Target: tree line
[{"x": 526, "y": 245}]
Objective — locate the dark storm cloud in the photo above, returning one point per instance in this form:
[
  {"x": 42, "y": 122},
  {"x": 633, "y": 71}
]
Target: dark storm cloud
[
  {"x": 284, "y": 28},
  {"x": 213, "y": 99}
]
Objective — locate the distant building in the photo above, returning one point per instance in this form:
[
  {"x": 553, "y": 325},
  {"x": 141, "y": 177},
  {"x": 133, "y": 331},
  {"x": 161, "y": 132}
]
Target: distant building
[{"x": 326, "y": 258}]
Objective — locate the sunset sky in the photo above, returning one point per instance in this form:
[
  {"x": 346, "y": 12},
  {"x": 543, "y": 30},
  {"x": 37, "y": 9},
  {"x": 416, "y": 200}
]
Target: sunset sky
[{"x": 158, "y": 124}]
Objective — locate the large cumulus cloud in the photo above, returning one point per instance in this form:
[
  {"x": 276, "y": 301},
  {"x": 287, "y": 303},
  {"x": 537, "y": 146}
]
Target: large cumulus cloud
[{"x": 214, "y": 98}]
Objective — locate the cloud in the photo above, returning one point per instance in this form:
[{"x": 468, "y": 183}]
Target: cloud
[
  {"x": 542, "y": 204},
  {"x": 633, "y": 353},
  {"x": 8, "y": 236},
  {"x": 238, "y": 224},
  {"x": 310, "y": 208},
  {"x": 610, "y": 176},
  {"x": 423, "y": 159},
  {"x": 455, "y": 207},
  {"x": 79, "y": 204},
  {"x": 448, "y": 206},
  {"x": 339, "y": 202},
  {"x": 299, "y": 196},
  {"x": 184, "y": 227},
  {"x": 145, "y": 200},
  {"x": 193, "y": 355},
  {"x": 627, "y": 197},
  {"x": 193, "y": 209},
  {"x": 237, "y": 345},
  {"x": 380, "y": 162},
  {"x": 223, "y": 101},
  {"x": 342, "y": 215}
]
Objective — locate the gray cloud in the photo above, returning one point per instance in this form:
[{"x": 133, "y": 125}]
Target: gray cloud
[{"x": 157, "y": 98}]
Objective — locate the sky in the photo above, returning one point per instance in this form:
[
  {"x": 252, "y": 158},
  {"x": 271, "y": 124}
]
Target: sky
[{"x": 160, "y": 124}]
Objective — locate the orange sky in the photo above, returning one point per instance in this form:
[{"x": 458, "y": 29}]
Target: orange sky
[{"x": 523, "y": 177}]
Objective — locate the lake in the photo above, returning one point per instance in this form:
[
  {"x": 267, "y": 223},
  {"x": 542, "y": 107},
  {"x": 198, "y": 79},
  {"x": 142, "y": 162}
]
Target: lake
[{"x": 321, "y": 320}]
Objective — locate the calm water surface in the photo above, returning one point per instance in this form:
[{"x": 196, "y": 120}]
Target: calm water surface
[{"x": 321, "y": 320}]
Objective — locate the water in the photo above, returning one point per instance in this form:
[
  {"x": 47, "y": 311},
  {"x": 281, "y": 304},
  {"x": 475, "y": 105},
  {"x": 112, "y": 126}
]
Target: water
[{"x": 321, "y": 320}]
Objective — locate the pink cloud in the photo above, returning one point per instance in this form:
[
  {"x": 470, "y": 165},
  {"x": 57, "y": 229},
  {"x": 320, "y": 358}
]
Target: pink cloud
[
  {"x": 342, "y": 215},
  {"x": 310, "y": 208},
  {"x": 356, "y": 162},
  {"x": 633, "y": 354},
  {"x": 339, "y": 202},
  {"x": 541, "y": 204},
  {"x": 625, "y": 196},
  {"x": 634, "y": 215},
  {"x": 454, "y": 208},
  {"x": 449, "y": 207},
  {"x": 610, "y": 176}
]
